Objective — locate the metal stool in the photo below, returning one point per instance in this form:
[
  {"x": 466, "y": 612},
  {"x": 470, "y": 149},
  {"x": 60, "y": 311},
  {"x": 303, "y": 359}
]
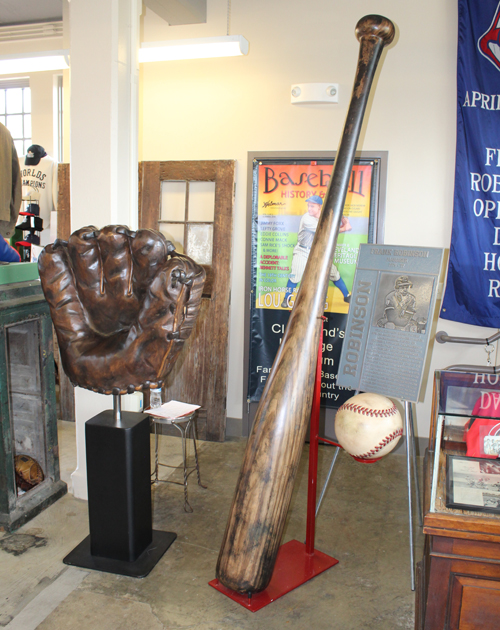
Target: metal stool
[{"x": 186, "y": 425}]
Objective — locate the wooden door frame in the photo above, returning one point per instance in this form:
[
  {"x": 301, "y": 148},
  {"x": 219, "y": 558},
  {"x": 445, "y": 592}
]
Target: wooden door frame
[
  {"x": 222, "y": 172},
  {"x": 66, "y": 389}
]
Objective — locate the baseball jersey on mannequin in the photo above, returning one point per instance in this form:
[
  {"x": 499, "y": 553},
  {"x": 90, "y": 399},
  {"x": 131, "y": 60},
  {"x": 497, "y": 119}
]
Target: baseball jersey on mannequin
[{"x": 39, "y": 180}]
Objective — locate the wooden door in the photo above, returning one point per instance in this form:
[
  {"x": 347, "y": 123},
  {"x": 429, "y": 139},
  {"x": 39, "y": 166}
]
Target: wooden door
[{"x": 175, "y": 198}]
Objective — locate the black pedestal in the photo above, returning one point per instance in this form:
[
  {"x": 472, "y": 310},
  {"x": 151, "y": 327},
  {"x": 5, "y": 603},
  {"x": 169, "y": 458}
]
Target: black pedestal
[
  {"x": 81, "y": 557},
  {"x": 121, "y": 537}
]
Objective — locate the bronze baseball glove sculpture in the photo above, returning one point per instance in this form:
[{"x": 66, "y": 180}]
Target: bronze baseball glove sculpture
[{"x": 122, "y": 304}]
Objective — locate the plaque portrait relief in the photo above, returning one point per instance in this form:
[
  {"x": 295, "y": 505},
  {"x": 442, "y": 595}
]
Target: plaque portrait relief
[{"x": 403, "y": 302}]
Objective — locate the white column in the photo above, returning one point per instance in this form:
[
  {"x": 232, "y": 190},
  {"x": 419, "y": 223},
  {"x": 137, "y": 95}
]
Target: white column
[{"x": 104, "y": 36}]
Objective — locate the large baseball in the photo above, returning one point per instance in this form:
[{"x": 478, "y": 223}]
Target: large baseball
[{"x": 368, "y": 426}]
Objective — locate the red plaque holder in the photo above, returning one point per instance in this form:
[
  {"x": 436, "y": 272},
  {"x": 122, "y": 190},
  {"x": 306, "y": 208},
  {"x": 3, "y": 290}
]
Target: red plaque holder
[{"x": 296, "y": 562}]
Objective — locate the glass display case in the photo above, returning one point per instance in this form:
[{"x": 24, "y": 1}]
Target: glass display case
[
  {"x": 465, "y": 443},
  {"x": 458, "y": 578}
]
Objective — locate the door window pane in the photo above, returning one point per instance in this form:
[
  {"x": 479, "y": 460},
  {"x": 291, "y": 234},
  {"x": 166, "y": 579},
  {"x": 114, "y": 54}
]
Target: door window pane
[
  {"x": 174, "y": 232},
  {"x": 199, "y": 243},
  {"x": 201, "y": 201},
  {"x": 173, "y": 201}
]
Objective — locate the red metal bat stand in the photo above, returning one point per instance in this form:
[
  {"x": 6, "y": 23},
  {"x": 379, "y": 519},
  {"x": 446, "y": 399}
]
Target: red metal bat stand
[{"x": 297, "y": 562}]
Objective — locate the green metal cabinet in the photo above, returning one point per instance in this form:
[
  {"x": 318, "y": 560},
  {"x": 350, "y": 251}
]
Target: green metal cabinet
[{"x": 28, "y": 411}]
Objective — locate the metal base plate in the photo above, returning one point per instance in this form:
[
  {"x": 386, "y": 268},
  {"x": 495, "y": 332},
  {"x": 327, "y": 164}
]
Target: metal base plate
[
  {"x": 81, "y": 557},
  {"x": 294, "y": 566}
]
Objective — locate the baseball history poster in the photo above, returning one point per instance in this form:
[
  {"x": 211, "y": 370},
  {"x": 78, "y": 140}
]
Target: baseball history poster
[
  {"x": 286, "y": 203},
  {"x": 473, "y": 283}
]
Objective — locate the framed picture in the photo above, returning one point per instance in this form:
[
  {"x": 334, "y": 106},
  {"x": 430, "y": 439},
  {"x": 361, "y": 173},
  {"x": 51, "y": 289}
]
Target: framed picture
[
  {"x": 281, "y": 185},
  {"x": 473, "y": 484}
]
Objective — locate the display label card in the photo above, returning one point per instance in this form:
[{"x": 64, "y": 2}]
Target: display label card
[{"x": 389, "y": 321}]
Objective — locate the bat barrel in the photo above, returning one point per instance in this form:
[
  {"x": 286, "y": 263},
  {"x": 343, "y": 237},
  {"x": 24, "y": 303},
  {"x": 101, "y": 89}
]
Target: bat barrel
[{"x": 264, "y": 489}]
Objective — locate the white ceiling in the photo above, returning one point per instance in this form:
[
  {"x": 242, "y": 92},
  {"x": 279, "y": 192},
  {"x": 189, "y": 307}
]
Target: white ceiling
[{"x": 27, "y": 11}]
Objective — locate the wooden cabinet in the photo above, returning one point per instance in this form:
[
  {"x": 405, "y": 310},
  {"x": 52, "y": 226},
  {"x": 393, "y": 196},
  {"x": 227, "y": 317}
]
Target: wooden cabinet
[
  {"x": 458, "y": 578},
  {"x": 28, "y": 422}
]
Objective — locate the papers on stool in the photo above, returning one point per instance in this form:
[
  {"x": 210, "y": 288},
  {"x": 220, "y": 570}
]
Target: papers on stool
[{"x": 172, "y": 410}]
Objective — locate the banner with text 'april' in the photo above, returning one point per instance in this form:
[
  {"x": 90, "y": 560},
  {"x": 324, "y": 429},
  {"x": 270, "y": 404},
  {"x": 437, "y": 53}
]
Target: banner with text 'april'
[{"x": 473, "y": 284}]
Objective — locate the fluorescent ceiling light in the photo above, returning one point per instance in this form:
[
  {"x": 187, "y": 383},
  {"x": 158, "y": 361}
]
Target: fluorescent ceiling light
[
  {"x": 34, "y": 62},
  {"x": 200, "y": 48}
]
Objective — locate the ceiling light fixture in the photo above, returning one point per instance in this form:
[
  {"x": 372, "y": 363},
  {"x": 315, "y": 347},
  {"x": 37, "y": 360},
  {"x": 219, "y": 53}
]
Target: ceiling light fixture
[
  {"x": 34, "y": 62},
  {"x": 199, "y": 48}
]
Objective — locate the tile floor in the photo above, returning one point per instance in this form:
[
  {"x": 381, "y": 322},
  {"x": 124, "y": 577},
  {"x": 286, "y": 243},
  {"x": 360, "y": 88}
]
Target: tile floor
[{"x": 363, "y": 523}]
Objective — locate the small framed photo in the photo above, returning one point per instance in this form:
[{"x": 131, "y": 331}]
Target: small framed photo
[{"x": 473, "y": 484}]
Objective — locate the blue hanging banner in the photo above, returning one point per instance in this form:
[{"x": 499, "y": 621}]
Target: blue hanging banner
[{"x": 473, "y": 284}]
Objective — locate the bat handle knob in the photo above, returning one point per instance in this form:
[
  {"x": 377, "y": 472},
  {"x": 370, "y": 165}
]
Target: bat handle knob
[{"x": 376, "y": 26}]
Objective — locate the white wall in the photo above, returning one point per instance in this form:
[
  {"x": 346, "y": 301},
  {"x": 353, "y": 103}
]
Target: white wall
[{"x": 223, "y": 108}]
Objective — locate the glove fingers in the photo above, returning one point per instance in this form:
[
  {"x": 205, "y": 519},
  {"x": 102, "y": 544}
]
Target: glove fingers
[
  {"x": 59, "y": 287},
  {"x": 86, "y": 262},
  {"x": 148, "y": 352},
  {"x": 102, "y": 262},
  {"x": 117, "y": 265},
  {"x": 150, "y": 252}
]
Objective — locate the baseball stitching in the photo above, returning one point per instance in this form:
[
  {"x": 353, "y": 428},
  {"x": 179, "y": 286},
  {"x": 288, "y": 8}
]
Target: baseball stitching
[
  {"x": 387, "y": 440},
  {"x": 377, "y": 413}
]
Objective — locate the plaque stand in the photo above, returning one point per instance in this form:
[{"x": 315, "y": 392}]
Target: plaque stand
[
  {"x": 296, "y": 562},
  {"x": 411, "y": 462},
  {"x": 121, "y": 539},
  {"x": 396, "y": 325}
]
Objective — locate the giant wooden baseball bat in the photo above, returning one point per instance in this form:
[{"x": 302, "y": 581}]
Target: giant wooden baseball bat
[{"x": 258, "y": 513}]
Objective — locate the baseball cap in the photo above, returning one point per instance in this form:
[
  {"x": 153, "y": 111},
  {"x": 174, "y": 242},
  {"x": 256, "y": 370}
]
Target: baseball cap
[
  {"x": 403, "y": 281},
  {"x": 34, "y": 154},
  {"x": 315, "y": 199}
]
